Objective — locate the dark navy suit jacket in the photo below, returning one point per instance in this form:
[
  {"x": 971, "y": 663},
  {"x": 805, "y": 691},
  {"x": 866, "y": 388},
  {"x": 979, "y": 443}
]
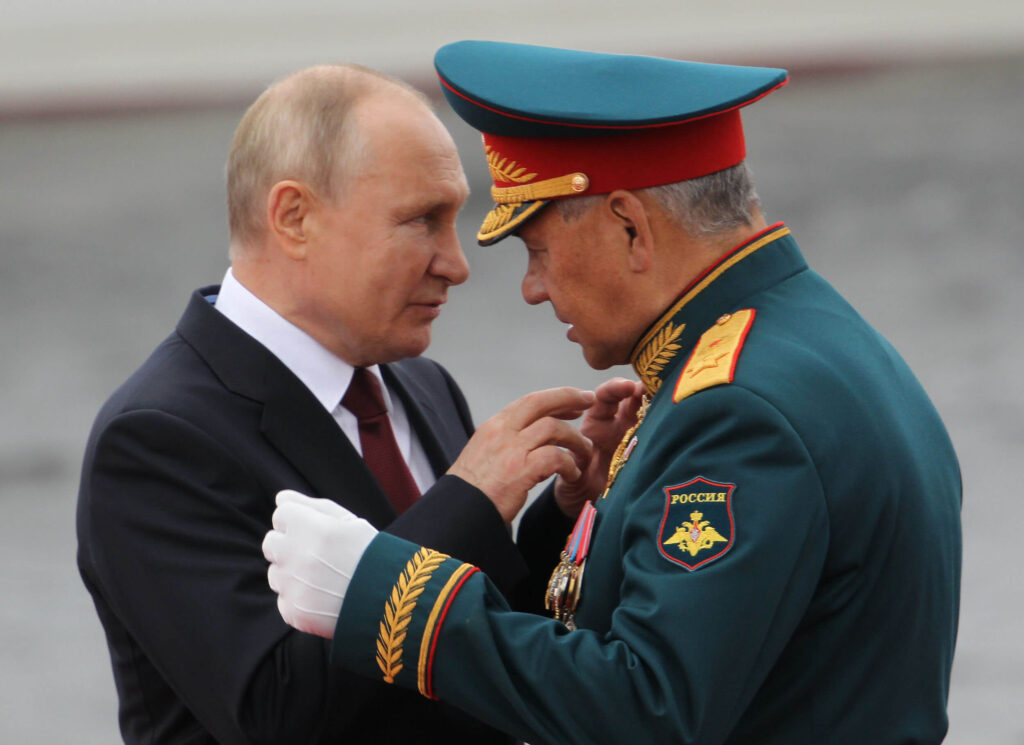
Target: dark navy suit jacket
[{"x": 177, "y": 493}]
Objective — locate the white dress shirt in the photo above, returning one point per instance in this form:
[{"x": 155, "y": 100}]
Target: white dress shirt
[{"x": 324, "y": 374}]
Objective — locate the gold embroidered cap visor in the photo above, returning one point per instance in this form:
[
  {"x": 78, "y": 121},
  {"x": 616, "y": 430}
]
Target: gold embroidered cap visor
[
  {"x": 505, "y": 219},
  {"x": 517, "y": 192}
]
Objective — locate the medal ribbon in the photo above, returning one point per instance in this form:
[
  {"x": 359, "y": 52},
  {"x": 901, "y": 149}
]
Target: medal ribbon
[{"x": 579, "y": 540}]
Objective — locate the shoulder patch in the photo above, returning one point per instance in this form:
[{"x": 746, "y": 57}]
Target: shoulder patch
[
  {"x": 707, "y": 534},
  {"x": 713, "y": 361}
]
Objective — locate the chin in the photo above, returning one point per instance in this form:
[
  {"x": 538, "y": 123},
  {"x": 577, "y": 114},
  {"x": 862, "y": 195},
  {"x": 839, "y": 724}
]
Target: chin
[
  {"x": 403, "y": 348},
  {"x": 604, "y": 356},
  {"x": 598, "y": 359}
]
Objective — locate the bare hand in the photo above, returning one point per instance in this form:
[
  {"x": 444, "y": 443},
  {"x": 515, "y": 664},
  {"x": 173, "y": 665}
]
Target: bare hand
[
  {"x": 525, "y": 443},
  {"x": 605, "y": 424}
]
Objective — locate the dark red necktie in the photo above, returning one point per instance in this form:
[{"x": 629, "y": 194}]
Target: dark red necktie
[{"x": 380, "y": 451}]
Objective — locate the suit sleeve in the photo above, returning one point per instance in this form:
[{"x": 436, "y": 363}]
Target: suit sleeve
[
  {"x": 684, "y": 651},
  {"x": 522, "y": 574},
  {"x": 176, "y": 551},
  {"x": 454, "y": 516}
]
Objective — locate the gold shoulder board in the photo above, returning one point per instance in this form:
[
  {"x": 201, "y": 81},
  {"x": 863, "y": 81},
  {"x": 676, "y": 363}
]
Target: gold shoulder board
[{"x": 713, "y": 361}]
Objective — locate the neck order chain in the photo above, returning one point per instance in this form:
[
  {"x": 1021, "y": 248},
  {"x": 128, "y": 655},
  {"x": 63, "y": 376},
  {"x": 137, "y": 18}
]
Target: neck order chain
[{"x": 625, "y": 447}]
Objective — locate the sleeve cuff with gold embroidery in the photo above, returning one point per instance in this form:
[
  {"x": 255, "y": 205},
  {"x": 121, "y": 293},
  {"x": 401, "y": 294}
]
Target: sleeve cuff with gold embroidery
[{"x": 394, "y": 611}]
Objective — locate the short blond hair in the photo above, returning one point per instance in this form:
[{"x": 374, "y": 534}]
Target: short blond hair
[{"x": 299, "y": 128}]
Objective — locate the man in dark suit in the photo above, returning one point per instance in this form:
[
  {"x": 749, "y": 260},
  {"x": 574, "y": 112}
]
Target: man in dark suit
[{"x": 343, "y": 191}]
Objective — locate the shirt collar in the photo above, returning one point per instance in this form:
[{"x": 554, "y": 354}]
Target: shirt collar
[{"x": 326, "y": 375}]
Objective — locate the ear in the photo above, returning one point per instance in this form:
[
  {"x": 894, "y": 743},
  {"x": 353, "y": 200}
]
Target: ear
[
  {"x": 632, "y": 218},
  {"x": 290, "y": 206}
]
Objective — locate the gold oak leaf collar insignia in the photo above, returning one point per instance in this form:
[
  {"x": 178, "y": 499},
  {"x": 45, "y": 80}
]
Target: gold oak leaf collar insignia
[
  {"x": 655, "y": 354},
  {"x": 658, "y": 346}
]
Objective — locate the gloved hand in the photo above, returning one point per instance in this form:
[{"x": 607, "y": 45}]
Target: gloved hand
[{"x": 313, "y": 551}]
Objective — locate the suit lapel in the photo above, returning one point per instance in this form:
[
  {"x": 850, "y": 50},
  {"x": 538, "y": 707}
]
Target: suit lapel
[
  {"x": 431, "y": 428},
  {"x": 293, "y": 421},
  {"x": 306, "y": 434}
]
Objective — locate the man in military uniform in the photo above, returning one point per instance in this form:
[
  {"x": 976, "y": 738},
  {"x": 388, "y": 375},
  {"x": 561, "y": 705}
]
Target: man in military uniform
[{"x": 774, "y": 554}]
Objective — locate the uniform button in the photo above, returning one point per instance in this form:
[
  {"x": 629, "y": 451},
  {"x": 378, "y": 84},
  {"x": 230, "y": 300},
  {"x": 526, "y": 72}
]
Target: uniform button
[{"x": 724, "y": 319}]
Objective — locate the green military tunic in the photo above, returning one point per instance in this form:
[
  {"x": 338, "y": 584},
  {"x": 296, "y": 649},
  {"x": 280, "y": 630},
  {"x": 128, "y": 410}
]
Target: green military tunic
[{"x": 776, "y": 561}]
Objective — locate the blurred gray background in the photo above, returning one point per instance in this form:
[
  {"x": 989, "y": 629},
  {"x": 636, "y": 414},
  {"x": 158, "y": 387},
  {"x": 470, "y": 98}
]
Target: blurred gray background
[{"x": 894, "y": 155}]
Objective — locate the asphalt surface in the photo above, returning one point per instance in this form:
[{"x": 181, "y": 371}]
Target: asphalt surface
[{"x": 903, "y": 187}]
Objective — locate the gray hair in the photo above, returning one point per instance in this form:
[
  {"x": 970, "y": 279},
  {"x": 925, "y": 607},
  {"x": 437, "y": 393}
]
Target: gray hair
[
  {"x": 299, "y": 128},
  {"x": 703, "y": 206}
]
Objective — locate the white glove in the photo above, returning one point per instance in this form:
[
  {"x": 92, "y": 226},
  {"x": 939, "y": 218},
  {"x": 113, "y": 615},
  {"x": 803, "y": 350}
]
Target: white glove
[{"x": 313, "y": 551}]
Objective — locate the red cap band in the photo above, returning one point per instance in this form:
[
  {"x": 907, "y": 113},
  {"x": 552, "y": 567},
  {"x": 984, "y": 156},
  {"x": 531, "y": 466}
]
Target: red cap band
[{"x": 632, "y": 160}]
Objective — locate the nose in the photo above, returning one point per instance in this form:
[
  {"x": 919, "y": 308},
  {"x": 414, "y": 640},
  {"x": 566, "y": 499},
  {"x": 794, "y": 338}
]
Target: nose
[
  {"x": 533, "y": 289},
  {"x": 449, "y": 261}
]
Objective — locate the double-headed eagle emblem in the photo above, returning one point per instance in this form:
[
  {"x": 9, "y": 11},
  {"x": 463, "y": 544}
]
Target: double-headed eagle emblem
[{"x": 695, "y": 535}]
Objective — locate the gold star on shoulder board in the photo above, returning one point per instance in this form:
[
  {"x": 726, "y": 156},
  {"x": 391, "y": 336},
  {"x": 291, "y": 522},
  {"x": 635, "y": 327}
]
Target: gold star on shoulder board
[{"x": 713, "y": 361}]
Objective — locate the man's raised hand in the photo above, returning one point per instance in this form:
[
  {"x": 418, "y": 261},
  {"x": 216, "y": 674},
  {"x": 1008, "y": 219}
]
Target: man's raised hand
[
  {"x": 605, "y": 424},
  {"x": 523, "y": 444}
]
